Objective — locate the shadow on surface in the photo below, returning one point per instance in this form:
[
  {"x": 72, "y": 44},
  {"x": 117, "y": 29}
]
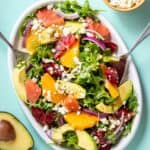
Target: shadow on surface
[{"x": 135, "y": 16}]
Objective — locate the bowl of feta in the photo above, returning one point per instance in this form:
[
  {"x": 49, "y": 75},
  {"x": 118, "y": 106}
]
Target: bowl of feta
[{"x": 124, "y": 5}]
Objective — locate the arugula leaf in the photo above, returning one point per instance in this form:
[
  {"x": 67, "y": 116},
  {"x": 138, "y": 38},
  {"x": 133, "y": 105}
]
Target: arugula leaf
[
  {"x": 91, "y": 77},
  {"x": 73, "y": 6},
  {"x": 132, "y": 102},
  {"x": 21, "y": 64},
  {"x": 127, "y": 129},
  {"x": 43, "y": 51},
  {"x": 36, "y": 71},
  {"x": 41, "y": 104},
  {"x": 71, "y": 140},
  {"x": 110, "y": 136}
]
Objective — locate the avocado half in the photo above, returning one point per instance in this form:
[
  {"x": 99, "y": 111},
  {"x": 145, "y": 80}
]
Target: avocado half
[{"x": 13, "y": 134}]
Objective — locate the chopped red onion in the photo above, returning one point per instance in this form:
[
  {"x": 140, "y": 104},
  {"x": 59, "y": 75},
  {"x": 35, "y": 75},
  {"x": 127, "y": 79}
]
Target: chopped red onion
[
  {"x": 91, "y": 112},
  {"x": 95, "y": 32},
  {"x": 98, "y": 42},
  {"x": 26, "y": 33},
  {"x": 69, "y": 16},
  {"x": 121, "y": 124},
  {"x": 61, "y": 121}
]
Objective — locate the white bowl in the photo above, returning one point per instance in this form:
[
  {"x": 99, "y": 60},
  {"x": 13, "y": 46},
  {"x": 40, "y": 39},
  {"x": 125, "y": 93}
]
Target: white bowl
[{"x": 133, "y": 75}]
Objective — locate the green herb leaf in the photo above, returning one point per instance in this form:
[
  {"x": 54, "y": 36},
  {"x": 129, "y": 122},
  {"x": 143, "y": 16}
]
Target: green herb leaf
[
  {"x": 111, "y": 137},
  {"x": 132, "y": 102},
  {"x": 41, "y": 104},
  {"x": 73, "y": 6},
  {"x": 127, "y": 129},
  {"x": 71, "y": 140}
]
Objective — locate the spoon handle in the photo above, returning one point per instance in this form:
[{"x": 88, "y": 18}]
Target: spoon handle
[
  {"x": 6, "y": 41},
  {"x": 142, "y": 36}
]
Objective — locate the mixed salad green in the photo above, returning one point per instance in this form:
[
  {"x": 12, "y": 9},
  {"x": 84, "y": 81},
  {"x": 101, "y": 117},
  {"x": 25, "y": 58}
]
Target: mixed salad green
[{"x": 70, "y": 80}]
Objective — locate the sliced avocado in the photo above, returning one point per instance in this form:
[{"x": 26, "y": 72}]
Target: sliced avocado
[
  {"x": 57, "y": 133},
  {"x": 86, "y": 141},
  {"x": 74, "y": 26},
  {"x": 19, "y": 76},
  {"x": 49, "y": 34},
  {"x": 104, "y": 108},
  {"x": 125, "y": 90},
  {"x": 13, "y": 135}
]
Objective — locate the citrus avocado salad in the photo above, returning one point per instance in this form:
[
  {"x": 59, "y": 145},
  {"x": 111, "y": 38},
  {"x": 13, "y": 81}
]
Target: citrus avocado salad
[{"x": 71, "y": 80}]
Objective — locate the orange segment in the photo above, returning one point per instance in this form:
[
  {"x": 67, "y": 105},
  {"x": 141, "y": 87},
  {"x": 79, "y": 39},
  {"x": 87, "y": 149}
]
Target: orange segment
[
  {"x": 56, "y": 97},
  {"x": 68, "y": 59},
  {"x": 81, "y": 121},
  {"x": 48, "y": 83},
  {"x": 113, "y": 89}
]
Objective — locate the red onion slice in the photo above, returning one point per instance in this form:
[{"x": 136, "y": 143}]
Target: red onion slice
[
  {"x": 61, "y": 121},
  {"x": 98, "y": 42},
  {"x": 95, "y": 32},
  {"x": 121, "y": 124},
  {"x": 90, "y": 112},
  {"x": 26, "y": 33},
  {"x": 70, "y": 16}
]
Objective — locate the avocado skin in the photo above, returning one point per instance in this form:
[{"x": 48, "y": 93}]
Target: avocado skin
[{"x": 12, "y": 119}]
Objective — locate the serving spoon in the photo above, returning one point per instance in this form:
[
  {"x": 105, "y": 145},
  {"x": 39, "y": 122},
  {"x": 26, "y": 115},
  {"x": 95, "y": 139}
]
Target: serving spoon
[
  {"x": 18, "y": 53},
  {"x": 123, "y": 64}
]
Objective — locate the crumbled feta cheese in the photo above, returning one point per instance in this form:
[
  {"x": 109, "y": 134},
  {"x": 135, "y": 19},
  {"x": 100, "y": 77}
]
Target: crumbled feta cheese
[
  {"x": 87, "y": 49},
  {"x": 82, "y": 31},
  {"x": 89, "y": 34},
  {"x": 60, "y": 109},
  {"x": 76, "y": 60},
  {"x": 124, "y": 3},
  {"x": 104, "y": 121},
  {"x": 56, "y": 66},
  {"x": 53, "y": 50},
  {"x": 46, "y": 60},
  {"x": 102, "y": 129},
  {"x": 50, "y": 68},
  {"x": 56, "y": 34},
  {"x": 112, "y": 126},
  {"x": 37, "y": 26},
  {"x": 66, "y": 31},
  {"x": 50, "y": 6},
  {"x": 85, "y": 24},
  {"x": 48, "y": 96},
  {"x": 96, "y": 139},
  {"x": 114, "y": 123},
  {"x": 34, "y": 79},
  {"x": 61, "y": 68},
  {"x": 78, "y": 112}
]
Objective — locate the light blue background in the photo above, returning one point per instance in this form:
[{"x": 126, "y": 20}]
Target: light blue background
[{"x": 129, "y": 25}]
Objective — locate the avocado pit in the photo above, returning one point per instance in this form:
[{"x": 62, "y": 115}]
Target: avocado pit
[{"x": 7, "y": 131}]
